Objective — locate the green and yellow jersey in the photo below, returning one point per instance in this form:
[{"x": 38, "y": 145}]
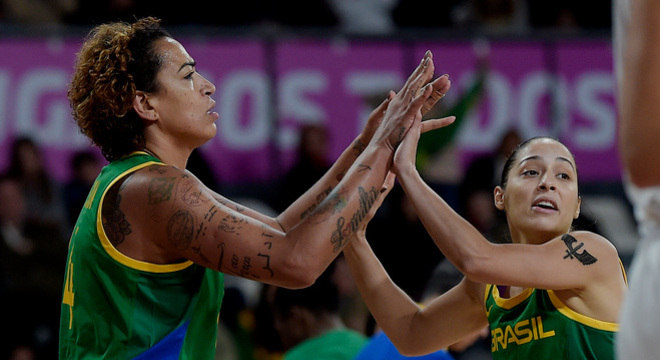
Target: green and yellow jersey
[
  {"x": 537, "y": 325},
  {"x": 116, "y": 307}
]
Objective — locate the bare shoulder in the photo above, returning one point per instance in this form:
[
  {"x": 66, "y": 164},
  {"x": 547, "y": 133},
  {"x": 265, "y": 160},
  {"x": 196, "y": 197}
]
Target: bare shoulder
[
  {"x": 592, "y": 249},
  {"x": 149, "y": 206},
  {"x": 596, "y": 241},
  {"x": 160, "y": 184}
]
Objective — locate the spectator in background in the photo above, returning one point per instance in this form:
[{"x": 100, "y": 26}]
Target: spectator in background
[
  {"x": 294, "y": 14},
  {"x": 85, "y": 167},
  {"x": 43, "y": 194},
  {"x": 89, "y": 12},
  {"x": 410, "y": 266},
  {"x": 364, "y": 17},
  {"x": 31, "y": 276},
  {"x": 309, "y": 325},
  {"x": 571, "y": 15},
  {"x": 476, "y": 189},
  {"x": 311, "y": 163},
  {"x": 198, "y": 165},
  {"x": 37, "y": 12}
]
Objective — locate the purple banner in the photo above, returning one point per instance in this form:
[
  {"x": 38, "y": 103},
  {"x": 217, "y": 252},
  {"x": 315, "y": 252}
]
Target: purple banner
[{"x": 266, "y": 91}]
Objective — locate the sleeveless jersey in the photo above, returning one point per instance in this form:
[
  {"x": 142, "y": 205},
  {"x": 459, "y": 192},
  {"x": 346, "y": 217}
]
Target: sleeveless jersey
[
  {"x": 116, "y": 307},
  {"x": 537, "y": 325}
]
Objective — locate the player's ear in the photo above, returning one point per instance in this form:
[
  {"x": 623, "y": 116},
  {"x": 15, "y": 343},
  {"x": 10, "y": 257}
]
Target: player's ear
[
  {"x": 577, "y": 209},
  {"x": 498, "y": 196},
  {"x": 143, "y": 107}
]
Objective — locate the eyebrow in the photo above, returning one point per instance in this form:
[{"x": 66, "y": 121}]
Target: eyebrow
[
  {"x": 536, "y": 157},
  {"x": 189, "y": 63}
]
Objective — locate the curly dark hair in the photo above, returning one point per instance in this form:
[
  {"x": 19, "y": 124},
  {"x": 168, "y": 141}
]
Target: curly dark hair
[{"x": 115, "y": 61}]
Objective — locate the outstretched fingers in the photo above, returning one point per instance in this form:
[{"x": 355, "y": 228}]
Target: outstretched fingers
[
  {"x": 422, "y": 75},
  {"x": 440, "y": 87},
  {"x": 433, "y": 124}
]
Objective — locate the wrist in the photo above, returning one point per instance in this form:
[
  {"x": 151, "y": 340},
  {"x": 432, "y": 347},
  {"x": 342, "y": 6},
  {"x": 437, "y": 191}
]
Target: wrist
[{"x": 407, "y": 172}]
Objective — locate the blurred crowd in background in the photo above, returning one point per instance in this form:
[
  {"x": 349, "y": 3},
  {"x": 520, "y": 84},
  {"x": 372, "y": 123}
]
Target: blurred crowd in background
[
  {"x": 258, "y": 322},
  {"x": 371, "y": 17}
]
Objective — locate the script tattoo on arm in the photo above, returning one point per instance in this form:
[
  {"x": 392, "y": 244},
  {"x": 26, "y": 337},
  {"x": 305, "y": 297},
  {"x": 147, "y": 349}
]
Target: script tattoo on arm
[
  {"x": 572, "y": 252},
  {"x": 114, "y": 220},
  {"x": 345, "y": 231}
]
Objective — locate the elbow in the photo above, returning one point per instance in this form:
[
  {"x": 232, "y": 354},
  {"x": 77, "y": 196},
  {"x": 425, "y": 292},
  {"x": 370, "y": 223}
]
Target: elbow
[
  {"x": 411, "y": 348},
  {"x": 299, "y": 273},
  {"x": 473, "y": 267},
  {"x": 408, "y": 351}
]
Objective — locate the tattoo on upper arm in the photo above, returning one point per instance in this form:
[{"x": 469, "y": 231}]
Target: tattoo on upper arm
[
  {"x": 231, "y": 224},
  {"x": 191, "y": 194},
  {"x": 181, "y": 229},
  {"x": 572, "y": 252},
  {"x": 160, "y": 189},
  {"x": 203, "y": 225},
  {"x": 114, "y": 220},
  {"x": 198, "y": 250},
  {"x": 157, "y": 168},
  {"x": 241, "y": 267},
  {"x": 269, "y": 245}
]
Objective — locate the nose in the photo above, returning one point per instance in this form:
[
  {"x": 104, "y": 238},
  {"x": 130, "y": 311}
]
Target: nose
[
  {"x": 546, "y": 184},
  {"x": 207, "y": 87}
]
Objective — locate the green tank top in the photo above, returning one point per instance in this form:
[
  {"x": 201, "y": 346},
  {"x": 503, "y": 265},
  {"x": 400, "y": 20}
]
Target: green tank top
[
  {"x": 115, "y": 307},
  {"x": 537, "y": 325}
]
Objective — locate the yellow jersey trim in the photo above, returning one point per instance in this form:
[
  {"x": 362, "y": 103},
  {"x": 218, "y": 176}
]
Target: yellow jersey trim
[
  {"x": 510, "y": 302},
  {"x": 583, "y": 319},
  {"x": 116, "y": 254}
]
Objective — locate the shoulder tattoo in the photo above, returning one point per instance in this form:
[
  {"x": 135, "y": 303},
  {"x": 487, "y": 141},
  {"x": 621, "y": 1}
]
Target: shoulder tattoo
[{"x": 572, "y": 252}]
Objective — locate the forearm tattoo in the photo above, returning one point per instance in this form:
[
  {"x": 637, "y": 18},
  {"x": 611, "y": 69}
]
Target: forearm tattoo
[
  {"x": 114, "y": 220},
  {"x": 319, "y": 199},
  {"x": 344, "y": 231},
  {"x": 363, "y": 167},
  {"x": 358, "y": 147},
  {"x": 332, "y": 204},
  {"x": 572, "y": 252}
]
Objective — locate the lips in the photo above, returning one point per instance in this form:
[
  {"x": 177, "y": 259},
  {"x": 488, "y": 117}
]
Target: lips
[
  {"x": 545, "y": 204},
  {"x": 210, "y": 110},
  {"x": 213, "y": 113}
]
